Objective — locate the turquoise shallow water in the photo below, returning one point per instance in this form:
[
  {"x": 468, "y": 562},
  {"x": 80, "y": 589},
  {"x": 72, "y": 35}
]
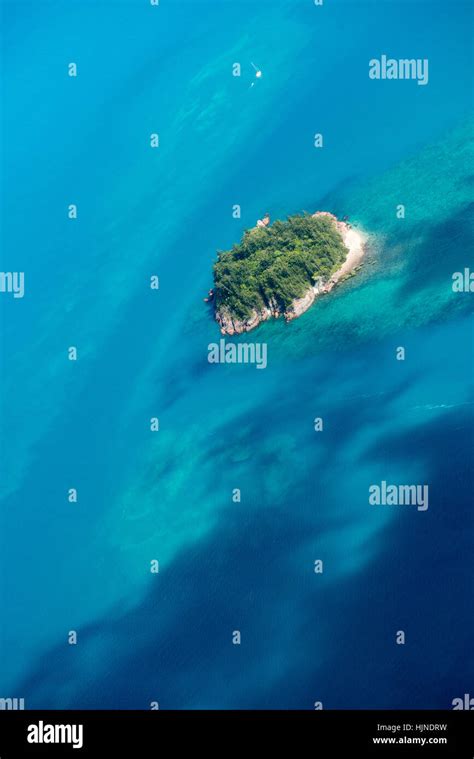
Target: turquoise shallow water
[{"x": 227, "y": 566}]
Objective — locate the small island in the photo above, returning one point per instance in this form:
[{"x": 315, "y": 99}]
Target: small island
[{"x": 279, "y": 269}]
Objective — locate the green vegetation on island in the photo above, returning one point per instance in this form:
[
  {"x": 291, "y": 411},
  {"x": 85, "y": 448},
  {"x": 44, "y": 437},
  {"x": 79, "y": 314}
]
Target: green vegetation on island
[{"x": 275, "y": 265}]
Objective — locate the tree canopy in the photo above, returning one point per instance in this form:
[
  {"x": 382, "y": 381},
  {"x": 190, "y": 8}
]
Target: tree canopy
[{"x": 273, "y": 266}]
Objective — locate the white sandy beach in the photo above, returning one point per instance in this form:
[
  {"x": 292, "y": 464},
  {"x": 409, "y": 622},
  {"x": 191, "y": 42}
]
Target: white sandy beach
[{"x": 354, "y": 242}]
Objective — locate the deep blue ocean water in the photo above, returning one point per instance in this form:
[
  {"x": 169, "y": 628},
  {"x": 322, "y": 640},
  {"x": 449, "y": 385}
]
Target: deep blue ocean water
[{"x": 228, "y": 566}]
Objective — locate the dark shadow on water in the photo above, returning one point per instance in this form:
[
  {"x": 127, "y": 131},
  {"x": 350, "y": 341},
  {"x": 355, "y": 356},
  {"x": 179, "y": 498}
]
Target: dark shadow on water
[
  {"x": 304, "y": 637},
  {"x": 445, "y": 248}
]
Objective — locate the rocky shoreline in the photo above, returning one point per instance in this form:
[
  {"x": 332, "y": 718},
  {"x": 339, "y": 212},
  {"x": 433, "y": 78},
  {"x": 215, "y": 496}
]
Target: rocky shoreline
[{"x": 354, "y": 242}]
